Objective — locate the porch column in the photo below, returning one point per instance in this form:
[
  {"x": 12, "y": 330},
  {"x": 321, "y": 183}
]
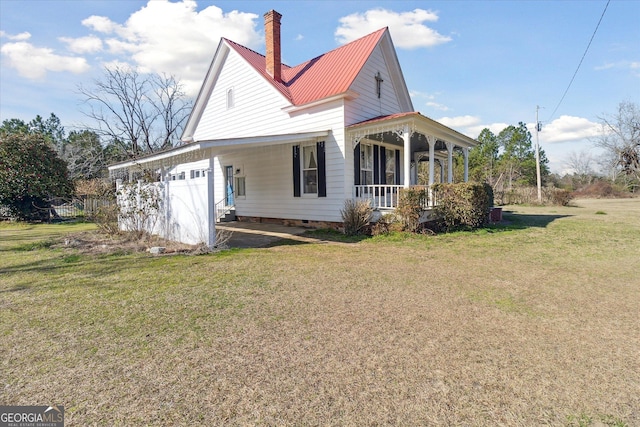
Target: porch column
[
  {"x": 406, "y": 137},
  {"x": 164, "y": 177},
  {"x": 432, "y": 158},
  {"x": 465, "y": 153},
  {"x": 449, "y": 162},
  {"x": 211, "y": 207}
]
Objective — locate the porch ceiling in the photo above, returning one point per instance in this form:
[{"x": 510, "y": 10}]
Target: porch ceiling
[
  {"x": 201, "y": 150},
  {"x": 388, "y": 129}
]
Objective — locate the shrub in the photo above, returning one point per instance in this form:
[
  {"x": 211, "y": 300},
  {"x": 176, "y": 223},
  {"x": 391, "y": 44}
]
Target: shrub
[
  {"x": 356, "y": 215},
  {"x": 462, "y": 205},
  {"x": 386, "y": 224},
  {"x": 561, "y": 197},
  {"x": 411, "y": 205},
  {"x": 138, "y": 207}
]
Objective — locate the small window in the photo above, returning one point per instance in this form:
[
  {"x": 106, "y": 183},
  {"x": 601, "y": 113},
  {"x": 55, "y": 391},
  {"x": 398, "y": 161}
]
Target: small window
[
  {"x": 230, "y": 100},
  {"x": 310, "y": 169},
  {"x": 181, "y": 176},
  {"x": 240, "y": 186}
]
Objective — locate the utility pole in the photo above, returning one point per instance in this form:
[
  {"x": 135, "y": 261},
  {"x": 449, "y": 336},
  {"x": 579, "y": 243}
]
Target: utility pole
[{"x": 538, "y": 129}]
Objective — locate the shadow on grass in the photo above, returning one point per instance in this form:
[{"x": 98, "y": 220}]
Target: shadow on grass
[
  {"x": 335, "y": 236},
  {"x": 516, "y": 221},
  {"x": 91, "y": 267}
]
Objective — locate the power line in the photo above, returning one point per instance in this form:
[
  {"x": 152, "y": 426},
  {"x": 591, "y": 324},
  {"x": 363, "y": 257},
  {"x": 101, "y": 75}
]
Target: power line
[{"x": 582, "y": 59}]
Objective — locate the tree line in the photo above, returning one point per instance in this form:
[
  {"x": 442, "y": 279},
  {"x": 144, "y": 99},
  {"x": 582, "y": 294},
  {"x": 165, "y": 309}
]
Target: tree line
[{"x": 133, "y": 114}]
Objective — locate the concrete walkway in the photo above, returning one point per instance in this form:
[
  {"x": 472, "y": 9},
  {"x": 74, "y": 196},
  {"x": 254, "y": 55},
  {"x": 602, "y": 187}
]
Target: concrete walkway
[{"x": 259, "y": 235}]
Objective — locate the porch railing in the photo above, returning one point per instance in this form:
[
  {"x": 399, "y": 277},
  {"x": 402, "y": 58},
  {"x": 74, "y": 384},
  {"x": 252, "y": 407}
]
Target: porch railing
[
  {"x": 386, "y": 196},
  {"x": 222, "y": 208}
]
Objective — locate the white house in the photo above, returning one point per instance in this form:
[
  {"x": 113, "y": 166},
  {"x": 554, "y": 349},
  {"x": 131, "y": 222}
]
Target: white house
[{"x": 290, "y": 144}]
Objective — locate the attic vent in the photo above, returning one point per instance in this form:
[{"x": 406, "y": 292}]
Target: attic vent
[{"x": 230, "y": 100}]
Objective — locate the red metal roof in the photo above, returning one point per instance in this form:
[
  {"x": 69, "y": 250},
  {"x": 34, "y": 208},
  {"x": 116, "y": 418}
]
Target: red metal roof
[{"x": 323, "y": 76}]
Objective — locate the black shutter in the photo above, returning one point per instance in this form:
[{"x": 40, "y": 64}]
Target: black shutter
[
  {"x": 356, "y": 165},
  {"x": 322, "y": 170},
  {"x": 398, "y": 167},
  {"x": 376, "y": 164},
  {"x": 383, "y": 166},
  {"x": 296, "y": 171}
]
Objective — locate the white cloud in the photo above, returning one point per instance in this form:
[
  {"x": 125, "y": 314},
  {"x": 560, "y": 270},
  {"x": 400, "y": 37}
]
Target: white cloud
[
  {"x": 101, "y": 24},
  {"x": 430, "y": 100},
  {"x": 16, "y": 37},
  {"x": 471, "y": 125},
  {"x": 88, "y": 44},
  {"x": 299, "y": 37},
  {"x": 34, "y": 62},
  {"x": 119, "y": 47},
  {"x": 568, "y": 128},
  {"x": 175, "y": 38},
  {"x": 21, "y": 37},
  {"x": 437, "y": 106},
  {"x": 407, "y": 28},
  {"x": 634, "y": 66},
  {"x": 459, "y": 121},
  {"x": 117, "y": 64}
]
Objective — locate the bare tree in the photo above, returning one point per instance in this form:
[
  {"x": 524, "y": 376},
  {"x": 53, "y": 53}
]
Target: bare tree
[
  {"x": 84, "y": 155},
  {"x": 142, "y": 113},
  {"x": 582, "y": 165},
  {"x": 620, "y": 138}
]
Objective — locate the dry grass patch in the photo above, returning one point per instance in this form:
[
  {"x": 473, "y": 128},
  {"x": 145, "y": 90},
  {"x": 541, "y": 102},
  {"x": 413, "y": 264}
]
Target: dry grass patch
[{"x": 533, "y": 324}]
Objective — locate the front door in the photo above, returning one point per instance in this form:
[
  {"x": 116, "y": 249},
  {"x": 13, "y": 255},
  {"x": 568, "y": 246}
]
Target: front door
[{"x": 228, "y": 185}]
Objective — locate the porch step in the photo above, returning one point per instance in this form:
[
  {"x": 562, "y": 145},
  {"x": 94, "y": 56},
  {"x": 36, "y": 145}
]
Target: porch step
[{"x": 229, "y": 216}]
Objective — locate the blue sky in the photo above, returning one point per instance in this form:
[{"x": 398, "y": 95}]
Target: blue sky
[{"x": 470, "y": 64}]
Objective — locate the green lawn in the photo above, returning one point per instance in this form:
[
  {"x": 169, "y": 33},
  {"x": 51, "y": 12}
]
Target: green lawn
[{"x": 531, "y": 323}]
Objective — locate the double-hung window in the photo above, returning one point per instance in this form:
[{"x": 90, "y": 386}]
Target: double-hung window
[
  {"x": 310, "y": 169},
  {"x": 366, "y": 164},
  {"x": 390, "y": 168}
]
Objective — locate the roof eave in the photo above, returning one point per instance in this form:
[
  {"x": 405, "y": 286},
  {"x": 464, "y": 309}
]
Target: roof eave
[{"x": 348, "y": 95}]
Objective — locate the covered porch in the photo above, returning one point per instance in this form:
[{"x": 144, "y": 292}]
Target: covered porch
[
  {"x": 390, "y": 151},
  {"x": 193, "y": 181}
]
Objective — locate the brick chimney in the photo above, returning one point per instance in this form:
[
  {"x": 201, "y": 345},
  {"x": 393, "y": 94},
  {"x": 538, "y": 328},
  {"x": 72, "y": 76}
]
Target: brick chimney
[{"x": 272, "y": 36}]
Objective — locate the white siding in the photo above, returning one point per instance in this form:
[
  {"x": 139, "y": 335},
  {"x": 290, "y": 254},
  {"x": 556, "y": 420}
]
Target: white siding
[
  {"x": 257, "y": 107},
  {"x": 268, "y": 173},
  {"x": 367, "y": 105}
]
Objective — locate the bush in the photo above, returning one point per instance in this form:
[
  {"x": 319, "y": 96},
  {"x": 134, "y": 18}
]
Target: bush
[
  {"x": 411, "y": 205},
  {"x": 601, "y": 189},
  {"x": 356, "y": 215},
  {"x": 462, "y": 205},
  {"x": 561, "y": 197},
  {"x": 138, "y": 207},
  {"x": 386, "y": 224}
]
